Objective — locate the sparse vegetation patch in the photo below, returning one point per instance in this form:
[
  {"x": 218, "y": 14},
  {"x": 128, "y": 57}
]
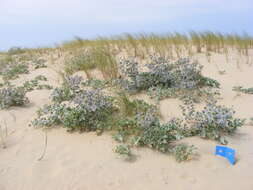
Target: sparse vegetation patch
[
  {"x": 243, "y": 90},
  {"x": 12, "y": 96},
  {"x": 213, "y": 122}
]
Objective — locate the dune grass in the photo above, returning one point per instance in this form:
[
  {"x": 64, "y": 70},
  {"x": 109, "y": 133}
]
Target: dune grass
[
  {"x": 95, "y": 58},
  {"x": 170, "y": 44}
]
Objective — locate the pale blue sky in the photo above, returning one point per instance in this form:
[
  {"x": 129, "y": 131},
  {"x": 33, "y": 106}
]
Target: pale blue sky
[{"x": 32, "y": 23}]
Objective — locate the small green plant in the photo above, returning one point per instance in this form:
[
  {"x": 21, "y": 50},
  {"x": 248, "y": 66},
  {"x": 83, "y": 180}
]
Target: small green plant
[
  {"x": 41, "y": 78},
  {"x": 3, "y": 135},
  {"x": 160, "y": 93},
  {"x": 39, "y": 63},
  {"x": 34, "y": 84},
  {"x": 123, "y": 150},
  {"x": 12, "y": 96},
  {"x": 30, "y": 85},
  {"x": 159, "y": 136},
  {"x": 243, "y": 90},
  {"x": 183, "y": 152},
  {"x": 96, "y": 83}
]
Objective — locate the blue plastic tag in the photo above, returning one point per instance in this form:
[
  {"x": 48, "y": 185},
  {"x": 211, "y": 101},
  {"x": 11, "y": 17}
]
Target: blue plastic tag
[{"x": 226, "y": 152}]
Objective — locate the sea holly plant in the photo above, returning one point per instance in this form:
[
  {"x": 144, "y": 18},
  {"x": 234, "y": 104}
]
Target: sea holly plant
[
  {"x": 133, "y": 122},
  {"x": 87, "y": 111},
  {"x": 164, "y": 78},
  {"x": 213, "y": 122},
  {"x": 68, "y": 90},
  {"x": 12, "y": 96}
]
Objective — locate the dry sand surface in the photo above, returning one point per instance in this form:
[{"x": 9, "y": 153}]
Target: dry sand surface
[{"x": 87, "y": 162}]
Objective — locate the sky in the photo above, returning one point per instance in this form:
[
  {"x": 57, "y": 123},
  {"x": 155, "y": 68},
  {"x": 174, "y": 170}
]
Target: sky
[{"x": 37, "y": 23}]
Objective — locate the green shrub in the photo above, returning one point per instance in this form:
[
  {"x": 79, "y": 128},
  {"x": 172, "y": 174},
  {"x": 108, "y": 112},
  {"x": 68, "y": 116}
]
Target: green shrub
[
  {"x": 183, "y": 152},
  {"x": 159, "y": 136},
  {"x": 123, "y": 150}
]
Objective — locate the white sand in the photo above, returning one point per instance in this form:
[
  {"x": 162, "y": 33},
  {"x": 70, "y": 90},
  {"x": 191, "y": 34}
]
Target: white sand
[{"x": 87, "y": 162}]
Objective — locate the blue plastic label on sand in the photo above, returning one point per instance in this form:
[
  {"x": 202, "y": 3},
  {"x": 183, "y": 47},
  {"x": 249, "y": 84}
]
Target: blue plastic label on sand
[{"x": 226, "y": 152}]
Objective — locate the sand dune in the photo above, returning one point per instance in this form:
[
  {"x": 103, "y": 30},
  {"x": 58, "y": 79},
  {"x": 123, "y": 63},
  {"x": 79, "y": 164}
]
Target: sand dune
[{"x": 86, "y": 161}]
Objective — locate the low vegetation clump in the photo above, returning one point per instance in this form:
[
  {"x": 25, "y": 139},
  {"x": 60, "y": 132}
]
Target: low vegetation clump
[
  {"x": 164, "y": 78},
  {"x": 88, "y": 111},
  {"x": 183, "y": 152},
  {"x": 95, "y": 58},
  {"x": 123, "y": 150},
  {"x": 13, "y": 70},
  {"x": 39, "y": 63},
  {"x": 78, "y": 109},
  {"x": 11, "y": 96},
  {"x": 213, "y": 122},
  {"x": 34, "y": 84},
  {"x": 243, "y": 90},
  {"x": 97, "y": 84},
  {"x": 135, "y": 123},
  {"x": 68, "y": 90},
  {"x": 139, "y": 125}
]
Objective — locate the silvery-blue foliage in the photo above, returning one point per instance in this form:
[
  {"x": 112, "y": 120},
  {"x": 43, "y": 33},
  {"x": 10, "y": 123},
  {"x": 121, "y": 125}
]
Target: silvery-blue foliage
[
  {"x": 11, "y": 96},
  {"x": 68, "y": 90},
  {"x": 73, "y": 82},
  {"x": 214, "y": 121},
  {"x": 88, "y": 111},
  {"x": 181, "y": 74},
  {"x": 129, "y": 68}
]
